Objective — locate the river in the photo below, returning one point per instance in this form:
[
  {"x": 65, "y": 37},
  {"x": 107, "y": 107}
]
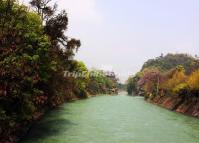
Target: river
[{"x": 113, "y": 119}]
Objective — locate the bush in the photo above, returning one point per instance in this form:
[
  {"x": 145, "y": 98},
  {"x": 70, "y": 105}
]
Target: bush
[
  {"x": 174, "y": 78},
  {"x": 193, "y": 80},
  {"x": 181, "y": 89}
]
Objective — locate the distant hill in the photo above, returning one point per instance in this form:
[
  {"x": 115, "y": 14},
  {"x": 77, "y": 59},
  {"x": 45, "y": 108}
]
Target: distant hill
[{"x": 170, "y": 61}]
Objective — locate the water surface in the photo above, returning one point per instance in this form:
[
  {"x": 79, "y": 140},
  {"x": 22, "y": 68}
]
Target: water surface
[{"x": 114, "y": 119}]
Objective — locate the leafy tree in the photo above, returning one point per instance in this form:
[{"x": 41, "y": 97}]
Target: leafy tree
[
  {"x": 131, "y": 85},
  {"x": 193, "y": 81},
  {"x": 24, "y": 65},
  {"x": 175, "y": 78},
  {"x": 55, "y": 25},
  {"x": 82, "y": 79},
  {"x": 34, "y": 55},
  {"x": 170, "y": 61},
  {"x": 150, "y": 81},
  {"x": 122, "y": 86},
  {"x": 102, "y": 82}
]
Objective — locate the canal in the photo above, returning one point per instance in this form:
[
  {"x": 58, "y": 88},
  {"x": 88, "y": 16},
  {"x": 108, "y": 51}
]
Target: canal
[{"x": 113, "y": 119}]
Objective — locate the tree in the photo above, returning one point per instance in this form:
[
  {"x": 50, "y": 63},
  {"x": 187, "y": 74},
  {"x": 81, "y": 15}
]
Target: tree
[
  {"x": 81, "y": 78},
  {"x": 131, "y": 85},
  {"x": 170, "y": 61},
  {"x": 150, "y": 81},
  {"x": 193, "y": 81},
  {"x": 24, "y": 65},
  {"x": 34, "y": 55},
  {"x": 55, "y": 25},
  {"x": 43, "y": 8},
  {"x": 102, "y": 82},
  {"x": 174, "y": 78}
]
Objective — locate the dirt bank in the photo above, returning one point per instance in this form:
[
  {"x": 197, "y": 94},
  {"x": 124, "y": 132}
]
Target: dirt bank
[{"x": 188, "y": 106}]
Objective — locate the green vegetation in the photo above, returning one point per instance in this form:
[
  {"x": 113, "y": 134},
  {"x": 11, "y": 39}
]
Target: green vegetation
[
  {"x": 122, "y": 87},
  {"x": 131, "y": 83},
  {"x": 105, "y": 82},
  {"x": 171, "y": 61},
  {"x": 34, "y": 54},
  {"x": 173, "y": 75}
]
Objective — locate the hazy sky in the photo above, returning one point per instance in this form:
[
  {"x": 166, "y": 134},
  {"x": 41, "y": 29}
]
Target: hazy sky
[{"x": 121, "y": 35}]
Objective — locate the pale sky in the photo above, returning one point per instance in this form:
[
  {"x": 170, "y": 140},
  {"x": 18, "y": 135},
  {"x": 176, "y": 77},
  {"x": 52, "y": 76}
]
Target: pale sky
[{"x": 120, "y": 35}]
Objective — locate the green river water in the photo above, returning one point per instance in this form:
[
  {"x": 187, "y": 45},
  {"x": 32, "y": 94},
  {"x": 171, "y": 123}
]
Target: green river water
[{"x": 114, "y": 119}]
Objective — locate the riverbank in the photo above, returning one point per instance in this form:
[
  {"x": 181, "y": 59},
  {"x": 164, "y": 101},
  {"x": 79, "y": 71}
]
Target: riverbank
[
  {"x": 170, "y": 81},
  {"x": 188, "y": 106},
  {"x": 15, "y": 135},
  {"x": 19, "y": 130}
]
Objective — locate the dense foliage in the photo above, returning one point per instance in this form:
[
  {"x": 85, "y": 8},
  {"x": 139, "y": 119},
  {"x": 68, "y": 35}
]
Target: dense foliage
[
  {"x": 170, "y": 61},
  {"x": 104, "y": 82},
  {"x": 34, "y": 55},
  {"x": 122, "y": 86},
  {"x": 174, "y": 74}
]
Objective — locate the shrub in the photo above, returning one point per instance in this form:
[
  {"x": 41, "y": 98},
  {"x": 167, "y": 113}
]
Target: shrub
[
  {"x": 174, "y": 79},
  {"x": 181, "y": 89},
  {"x": 150, "y": 81},
  {"x": 193, "y": 80}
]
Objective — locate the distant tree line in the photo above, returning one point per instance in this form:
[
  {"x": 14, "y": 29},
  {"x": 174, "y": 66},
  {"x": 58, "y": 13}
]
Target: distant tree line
[{"x": 173, "y": 74}]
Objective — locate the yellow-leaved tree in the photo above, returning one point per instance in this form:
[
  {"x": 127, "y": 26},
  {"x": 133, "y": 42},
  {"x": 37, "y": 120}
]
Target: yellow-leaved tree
[
  {"x": 175, "y": 79},
  {"x": 193, "y": 80}
]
